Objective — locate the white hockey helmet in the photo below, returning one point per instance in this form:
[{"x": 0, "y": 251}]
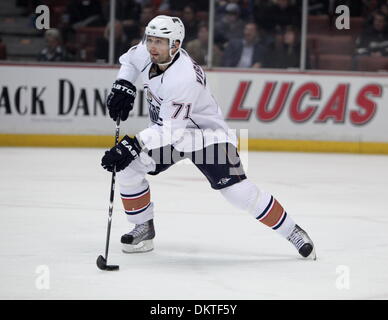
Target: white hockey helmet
[{"x": 168, "y": 27}]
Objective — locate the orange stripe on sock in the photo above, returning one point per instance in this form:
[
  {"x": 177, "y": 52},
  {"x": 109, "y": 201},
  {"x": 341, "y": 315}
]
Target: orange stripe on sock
[
  {"x": 137, "y": 203},
  {"x": 274, "y": 215}
]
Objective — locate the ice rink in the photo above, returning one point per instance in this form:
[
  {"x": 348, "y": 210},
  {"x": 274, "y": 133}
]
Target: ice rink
[{"x": 54, "y": 209}]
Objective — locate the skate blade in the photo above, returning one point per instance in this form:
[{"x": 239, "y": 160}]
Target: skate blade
[{"x": 143, "y": 246}]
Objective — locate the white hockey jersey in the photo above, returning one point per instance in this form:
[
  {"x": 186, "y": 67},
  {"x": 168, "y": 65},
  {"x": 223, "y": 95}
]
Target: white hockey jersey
[{"x": 182, "y": 110}]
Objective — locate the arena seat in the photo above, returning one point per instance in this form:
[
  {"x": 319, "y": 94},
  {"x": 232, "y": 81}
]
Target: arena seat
[
  {"x": 356, "y": 26},
  {"x": 312, "y": 43},
  {"x": 334, "y": 44},
  {"x": 368, "y": 63},
  {"x": 318, "y": 24},
  {"x": 334, "y": 62},
  {"x": 89, "y": 54}
]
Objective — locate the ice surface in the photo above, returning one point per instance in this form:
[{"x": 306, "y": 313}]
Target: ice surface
[{"x": 54, "y": 209}]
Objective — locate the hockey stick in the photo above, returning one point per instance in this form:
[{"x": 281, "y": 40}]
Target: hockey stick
[{"x": 102, "y": 263}]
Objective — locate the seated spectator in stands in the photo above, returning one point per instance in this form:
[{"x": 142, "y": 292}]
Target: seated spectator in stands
[
  {"x": 147, "y": 14},
  {"x": 279, "y": 15},
  {"x": 102, "y": 44},
  {"x": 384, "y": 8},
  {"x": 127, "y": 10},
  {"x": 190, "y": 22},
  {"x": 248, "y": 52},
  {"x": 82, "y": 13},
  {"x": 198, "y": 48},
  {"x": 230, "y": 26},
  {"x": 133, "y": 29},
  {"x": 374, "y": 39},
  {"x": 54, "y": 50},
  {"x": 132, "y": 17},
  {"x": 245, "y": 8},
  {"x": 285, "y": 52}
]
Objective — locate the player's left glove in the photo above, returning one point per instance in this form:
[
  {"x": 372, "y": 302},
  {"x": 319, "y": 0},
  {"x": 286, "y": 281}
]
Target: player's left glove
[{"x": 121, "y": 155}]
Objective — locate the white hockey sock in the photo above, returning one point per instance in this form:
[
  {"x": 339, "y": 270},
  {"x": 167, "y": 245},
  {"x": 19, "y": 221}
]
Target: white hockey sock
[
  {"x": 262, "y": 205},
  {"x": 137, "y": 204},
  {"x": 135, "y": 191}
]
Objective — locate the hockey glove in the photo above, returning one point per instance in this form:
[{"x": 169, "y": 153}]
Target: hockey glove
[
  {"x": 121, "y": 155},
  {"x": 120, "y": 99}
]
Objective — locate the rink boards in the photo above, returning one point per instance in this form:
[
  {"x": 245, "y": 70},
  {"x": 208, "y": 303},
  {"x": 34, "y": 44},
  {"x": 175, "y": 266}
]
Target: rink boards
[{"x": 330, "y": 112}]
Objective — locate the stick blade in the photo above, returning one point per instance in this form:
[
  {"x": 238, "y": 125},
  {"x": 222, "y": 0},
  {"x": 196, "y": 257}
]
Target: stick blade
[{"x": 101, "y": 264}]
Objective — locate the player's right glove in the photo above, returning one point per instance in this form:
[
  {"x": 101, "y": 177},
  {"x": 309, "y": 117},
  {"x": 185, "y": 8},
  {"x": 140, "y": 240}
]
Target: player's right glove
[{"x": 120, "y": 99}]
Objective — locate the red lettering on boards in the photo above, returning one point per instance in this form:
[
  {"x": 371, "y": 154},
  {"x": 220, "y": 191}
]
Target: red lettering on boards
[
  {"x": 296, "y": 113},
  {"x": 334, "y": 108},
  {"x": 369, "y": 107},
  {"x": 263, "y": 112}
]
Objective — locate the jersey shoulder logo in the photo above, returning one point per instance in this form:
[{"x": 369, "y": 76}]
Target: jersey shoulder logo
[{"x": 199, "y": 73}]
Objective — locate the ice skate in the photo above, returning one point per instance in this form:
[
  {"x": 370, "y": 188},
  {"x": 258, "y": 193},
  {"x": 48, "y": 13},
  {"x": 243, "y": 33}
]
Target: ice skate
[
  {"x": 302, "y": 242},
  {"x": 140, "y": 238}
]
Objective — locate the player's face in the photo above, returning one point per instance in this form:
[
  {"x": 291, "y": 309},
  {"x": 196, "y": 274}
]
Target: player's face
[{"x": 158, "y": 49}]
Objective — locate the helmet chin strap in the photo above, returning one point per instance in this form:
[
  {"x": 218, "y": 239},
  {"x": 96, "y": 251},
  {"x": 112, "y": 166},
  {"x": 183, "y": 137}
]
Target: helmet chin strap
[
  {"x": 171, "y": 56},
  {"x": 167, "y": 63}
]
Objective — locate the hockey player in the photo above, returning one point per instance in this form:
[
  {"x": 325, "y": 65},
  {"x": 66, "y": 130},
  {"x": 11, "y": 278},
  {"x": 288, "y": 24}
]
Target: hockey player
[{"x": 181, "y": 109}]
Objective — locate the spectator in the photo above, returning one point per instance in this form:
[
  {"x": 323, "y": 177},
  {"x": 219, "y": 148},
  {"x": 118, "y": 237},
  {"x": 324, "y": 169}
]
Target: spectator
[
  {"x": 126, "y": 10},
  {"x": 54, "y": 50},
  {"x": 198, "y": 48},
  {"x": 374, "y": 40},
  {"x": 146, "y": 15},
  {"x": 82, "y": 13},
  {"x": 190, "y": 22},
  {"x": 230, "y": 25},
  {"x": 220, "y": 6},
  {"x": 247, "y": 52},
  {"x": 384, "y": 9},
  {"x": 286, "y": 50},
  {"x": 133, "y": 30},
  {"x": 102, "y": 44},
  {"x": 246, "y": 9},
  {"x": 277, "y": 16}
]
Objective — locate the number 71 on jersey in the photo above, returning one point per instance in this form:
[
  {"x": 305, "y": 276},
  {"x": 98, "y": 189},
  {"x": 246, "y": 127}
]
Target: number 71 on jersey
[{"x": 179, "y": 108}]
